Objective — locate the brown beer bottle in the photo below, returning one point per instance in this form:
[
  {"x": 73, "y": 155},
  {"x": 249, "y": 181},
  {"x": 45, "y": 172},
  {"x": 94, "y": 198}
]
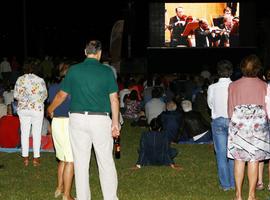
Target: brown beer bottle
[{"x": 117, "y": 147}]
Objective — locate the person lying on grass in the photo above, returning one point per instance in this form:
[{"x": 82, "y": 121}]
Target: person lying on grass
[{"x": 155, "y": 148}]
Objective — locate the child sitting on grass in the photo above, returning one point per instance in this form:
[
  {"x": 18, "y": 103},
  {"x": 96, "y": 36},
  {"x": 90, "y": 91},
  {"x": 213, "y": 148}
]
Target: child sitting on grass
[
  {"x": 9, "y": 130},
  {"x": 155, "y": 148}
]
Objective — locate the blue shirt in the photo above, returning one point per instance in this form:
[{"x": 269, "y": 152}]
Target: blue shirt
[
  {"x": 154, "y": 149},
  {"x": 62, "y": 110}
]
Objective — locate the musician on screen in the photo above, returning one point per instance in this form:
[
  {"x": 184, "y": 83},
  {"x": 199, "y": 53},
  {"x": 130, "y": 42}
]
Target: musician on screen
[
  {"x": 176, "y": 27},
  {"x": 228, "y": 32},
  {"x": 234, "y": 34},
  {"x": 204, "y": 36},
  {"x": 225, "y": 33}
]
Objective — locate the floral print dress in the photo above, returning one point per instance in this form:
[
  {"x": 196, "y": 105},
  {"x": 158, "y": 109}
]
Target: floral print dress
[{"x": 248, "y": 134}]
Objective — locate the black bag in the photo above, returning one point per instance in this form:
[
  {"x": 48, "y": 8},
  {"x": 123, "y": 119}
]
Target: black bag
[{"x": 14, "y": 105}]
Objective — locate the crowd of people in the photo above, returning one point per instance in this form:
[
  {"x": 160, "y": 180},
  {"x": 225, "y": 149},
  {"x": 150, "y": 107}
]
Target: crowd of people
[{"x": 86, "y": 101}]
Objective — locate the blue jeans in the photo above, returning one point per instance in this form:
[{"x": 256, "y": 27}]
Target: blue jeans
[{"x": 225, "y": 165}]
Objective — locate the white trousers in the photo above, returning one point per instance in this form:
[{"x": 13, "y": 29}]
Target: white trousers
[
  {"x": 28, "y": 118},
  {"x": 85, "y": 131}
]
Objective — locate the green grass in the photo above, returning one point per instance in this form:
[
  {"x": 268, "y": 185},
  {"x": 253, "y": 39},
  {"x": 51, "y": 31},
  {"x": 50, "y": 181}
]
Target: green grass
[{"x": 197, "y": 181}]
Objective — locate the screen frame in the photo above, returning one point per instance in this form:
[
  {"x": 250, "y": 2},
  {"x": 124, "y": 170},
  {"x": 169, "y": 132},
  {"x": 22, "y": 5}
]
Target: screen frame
[{"x": 246, "y": 10}]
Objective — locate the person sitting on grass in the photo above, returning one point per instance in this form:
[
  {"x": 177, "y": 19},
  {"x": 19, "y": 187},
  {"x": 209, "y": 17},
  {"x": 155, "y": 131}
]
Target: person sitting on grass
[
  {"x": 194, "y": 128},
  {"x": 155, "y": 149},
  {"x": 132, "y": 105},
  {"x": 9, "y": 130},
  {"x": 171, "y": 120},
  {"x": 155, "y": 106}
]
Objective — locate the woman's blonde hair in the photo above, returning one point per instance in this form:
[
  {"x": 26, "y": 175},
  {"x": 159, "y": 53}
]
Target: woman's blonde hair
[{"x": 251, "y": 66}]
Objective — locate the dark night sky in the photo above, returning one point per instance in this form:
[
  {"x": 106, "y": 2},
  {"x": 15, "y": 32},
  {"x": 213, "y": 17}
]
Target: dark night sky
[{"x": 59, "y": 27}]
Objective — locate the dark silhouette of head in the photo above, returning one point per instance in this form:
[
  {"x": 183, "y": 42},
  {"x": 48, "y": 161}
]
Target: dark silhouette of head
[{"x": 155, "y": 124}]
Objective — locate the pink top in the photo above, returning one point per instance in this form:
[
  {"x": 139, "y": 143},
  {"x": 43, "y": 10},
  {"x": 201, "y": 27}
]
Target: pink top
[
  {"x": 267, "y": 101},
  {"x": 246, "y": 90}
]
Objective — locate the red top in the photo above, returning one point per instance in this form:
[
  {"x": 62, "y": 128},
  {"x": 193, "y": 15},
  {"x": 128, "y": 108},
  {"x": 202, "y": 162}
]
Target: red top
[{"x": 9, "y": 131}]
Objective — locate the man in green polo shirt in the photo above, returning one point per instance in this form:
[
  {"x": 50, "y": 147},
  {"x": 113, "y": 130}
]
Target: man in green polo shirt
[{"x": 93, "y": 91}]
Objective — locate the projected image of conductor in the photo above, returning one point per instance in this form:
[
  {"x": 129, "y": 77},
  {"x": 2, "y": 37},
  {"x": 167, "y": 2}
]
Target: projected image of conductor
[{"x": 176, "y": 27}]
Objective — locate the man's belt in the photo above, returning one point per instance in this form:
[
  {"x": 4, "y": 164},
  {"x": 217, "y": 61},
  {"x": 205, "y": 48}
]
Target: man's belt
[{"x": 90, "y": 113}]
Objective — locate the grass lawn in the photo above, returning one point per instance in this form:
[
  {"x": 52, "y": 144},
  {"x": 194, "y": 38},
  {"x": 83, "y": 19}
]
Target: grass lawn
[{"x": 197, "y": 181}]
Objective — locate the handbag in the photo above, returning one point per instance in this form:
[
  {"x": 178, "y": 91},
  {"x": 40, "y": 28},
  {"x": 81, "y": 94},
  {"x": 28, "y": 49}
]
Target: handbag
[{"x": 14, "y": 105}]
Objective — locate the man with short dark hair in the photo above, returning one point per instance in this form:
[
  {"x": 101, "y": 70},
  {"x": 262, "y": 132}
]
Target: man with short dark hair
[
  {"x": 177, "y": 26},
  {"x": 203, "y": 35},
  {"x": 217, "y": 101},
  {"x": 155, "y": 148},
  {"x": 93, "y": 91}
]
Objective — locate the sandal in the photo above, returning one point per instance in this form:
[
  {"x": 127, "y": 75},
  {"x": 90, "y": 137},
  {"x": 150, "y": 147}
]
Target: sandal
[
  {"x": 234, "y": 198},
  {"x": 26, "y": 161},
  {"x": 36, "y": 162},
  {"x": 65, "y": 198},
  {"x": 253, "y": 198},
  {"x": 259, "y": 186},
  {"x": 58, "y": 192}
]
